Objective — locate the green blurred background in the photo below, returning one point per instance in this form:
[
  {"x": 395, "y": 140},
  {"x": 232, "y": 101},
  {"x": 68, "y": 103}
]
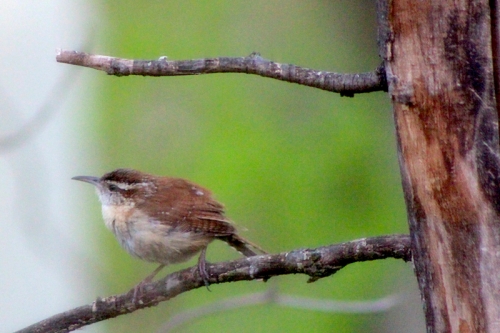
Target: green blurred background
[{"x": 296, "y": 166}]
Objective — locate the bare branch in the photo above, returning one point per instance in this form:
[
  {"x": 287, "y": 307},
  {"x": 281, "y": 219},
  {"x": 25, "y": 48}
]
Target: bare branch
[
  {"x": 317, "y": 263},
  {"x": 271, "y": 295},
  {"x": 45, "y": 112},
  {"x": 345, "y": 84}
]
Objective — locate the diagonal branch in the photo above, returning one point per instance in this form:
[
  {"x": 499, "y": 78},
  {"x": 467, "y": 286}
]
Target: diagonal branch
[
  {"x": 50, "y": 105},
  {"x": 345, "y": 84},
  {"x": 317, "y": 263}
]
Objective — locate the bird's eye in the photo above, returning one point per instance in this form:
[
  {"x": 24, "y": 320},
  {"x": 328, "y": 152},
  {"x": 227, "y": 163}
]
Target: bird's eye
[{"x": 113, "y": 187}]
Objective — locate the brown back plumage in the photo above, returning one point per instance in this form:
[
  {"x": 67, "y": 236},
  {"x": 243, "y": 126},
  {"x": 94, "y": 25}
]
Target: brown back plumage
[{"x": 189, "y": 208}]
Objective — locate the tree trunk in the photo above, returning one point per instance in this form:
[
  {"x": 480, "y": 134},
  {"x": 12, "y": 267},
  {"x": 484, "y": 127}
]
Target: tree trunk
[{"x": 439, "y": 63}]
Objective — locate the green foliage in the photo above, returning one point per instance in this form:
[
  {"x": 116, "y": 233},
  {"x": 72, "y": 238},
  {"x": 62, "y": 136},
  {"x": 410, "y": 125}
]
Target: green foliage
[{"x": 296, "y": 166}]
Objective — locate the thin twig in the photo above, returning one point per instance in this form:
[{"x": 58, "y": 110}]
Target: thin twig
[
  {"x": 345, "y": 84},
  {"x": 45, "y": 112},
  {"x": 52, "y": 102},
  {"x": 271, "y": 295},
  {"x": 316, "y": 263}
]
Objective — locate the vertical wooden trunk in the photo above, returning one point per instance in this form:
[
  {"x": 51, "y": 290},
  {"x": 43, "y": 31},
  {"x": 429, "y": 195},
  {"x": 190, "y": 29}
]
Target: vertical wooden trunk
[{"x": 440, "y": 75}]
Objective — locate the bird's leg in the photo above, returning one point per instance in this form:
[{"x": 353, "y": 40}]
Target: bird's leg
[
  {"x": 202, "y": 268},
  {"x": 138, "y": 288}
]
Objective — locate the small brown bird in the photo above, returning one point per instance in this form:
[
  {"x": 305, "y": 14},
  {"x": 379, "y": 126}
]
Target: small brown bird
[{"x": 162, "y": 219}]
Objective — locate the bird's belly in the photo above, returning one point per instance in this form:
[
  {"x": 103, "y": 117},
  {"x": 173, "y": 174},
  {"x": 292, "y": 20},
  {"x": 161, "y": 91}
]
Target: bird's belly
[{"x": 150, "y": 240}]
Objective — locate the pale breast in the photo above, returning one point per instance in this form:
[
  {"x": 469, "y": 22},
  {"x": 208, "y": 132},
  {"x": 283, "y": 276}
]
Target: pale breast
[
  {"x": 116, "y": 216},
  {"x": 151, "y": 240}
]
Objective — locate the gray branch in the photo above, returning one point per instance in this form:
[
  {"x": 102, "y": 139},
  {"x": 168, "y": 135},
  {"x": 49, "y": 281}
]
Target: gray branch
[
  {"x": 316, "y": 263},
  {"x": 345, "y": 84},
  {"x": 272, "y": 296}
]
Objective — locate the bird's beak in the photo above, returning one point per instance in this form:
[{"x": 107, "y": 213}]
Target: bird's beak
[{"x": 88, "y": 179}]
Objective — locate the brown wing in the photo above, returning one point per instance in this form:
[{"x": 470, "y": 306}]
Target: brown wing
[{"x": 187, "y": 207}]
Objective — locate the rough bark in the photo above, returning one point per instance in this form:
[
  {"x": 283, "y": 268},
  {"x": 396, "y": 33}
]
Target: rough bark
[{"x": 441, "y": 81}]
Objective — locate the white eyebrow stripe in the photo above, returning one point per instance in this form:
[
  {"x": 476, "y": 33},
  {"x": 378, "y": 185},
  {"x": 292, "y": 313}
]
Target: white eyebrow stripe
[{"x": 125, "y": 186}]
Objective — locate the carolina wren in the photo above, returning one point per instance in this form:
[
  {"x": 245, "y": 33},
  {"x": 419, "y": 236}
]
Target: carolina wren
[{"x": 163, "y": 220}]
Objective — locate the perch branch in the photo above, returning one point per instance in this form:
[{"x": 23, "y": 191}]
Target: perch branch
[
  {"x": 316, "y": 263},
  {"x": 345, "y": 84}
]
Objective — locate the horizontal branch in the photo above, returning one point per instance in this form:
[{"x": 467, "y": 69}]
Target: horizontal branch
[
  {"x": 272, "y": 296},
  {"x": 316, "y": 263},
  {"x": 345, "y": 84}
]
